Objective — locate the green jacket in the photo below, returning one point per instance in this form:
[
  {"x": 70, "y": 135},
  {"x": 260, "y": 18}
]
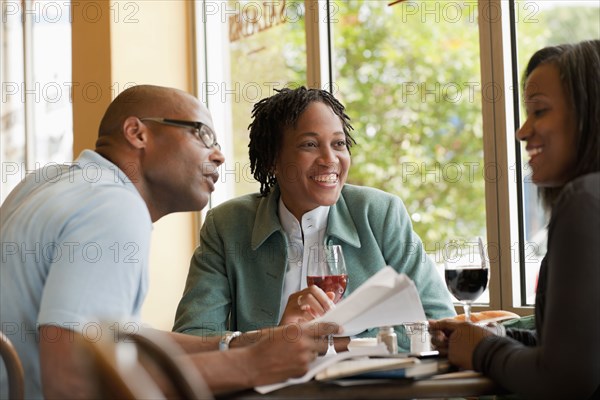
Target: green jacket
[{"x": 236, "y": 275}]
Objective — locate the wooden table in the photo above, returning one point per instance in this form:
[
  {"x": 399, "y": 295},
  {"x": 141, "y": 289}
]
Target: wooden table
[{"x": 460, "y": 385}]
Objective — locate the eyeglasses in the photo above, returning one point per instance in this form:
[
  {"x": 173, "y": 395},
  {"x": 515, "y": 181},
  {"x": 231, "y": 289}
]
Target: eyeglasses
[{"x": 201, "y": 131}]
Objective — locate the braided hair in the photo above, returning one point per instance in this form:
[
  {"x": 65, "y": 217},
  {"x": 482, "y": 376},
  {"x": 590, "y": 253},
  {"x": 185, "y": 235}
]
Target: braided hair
[{"x": 271, "y": 116}]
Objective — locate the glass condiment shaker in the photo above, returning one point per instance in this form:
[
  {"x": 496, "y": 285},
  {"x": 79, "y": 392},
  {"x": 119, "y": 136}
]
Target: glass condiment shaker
[{"x": 388, "y": 336}]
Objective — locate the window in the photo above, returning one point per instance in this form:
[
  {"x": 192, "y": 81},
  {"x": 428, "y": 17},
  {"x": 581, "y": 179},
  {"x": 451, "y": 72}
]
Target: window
[
  {"x": 37, "y": 126},
  {"x": 409, "y": 75},
  {"x": 262, "y": 48},
  {"x": 433, "y": 90},
  {"x": 12, "y": 149},
  {"x": 274, "y": 57},
  {"x": 539, "y": 24}
]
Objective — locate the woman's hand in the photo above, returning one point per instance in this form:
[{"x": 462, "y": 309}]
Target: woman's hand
[
  {"x": 457, "y": 340},
  {"x": 307, "y": 305}
]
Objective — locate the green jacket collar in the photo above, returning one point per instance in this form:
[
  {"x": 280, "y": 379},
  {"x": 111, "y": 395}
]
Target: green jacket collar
[{"x": 339, "y": 223}]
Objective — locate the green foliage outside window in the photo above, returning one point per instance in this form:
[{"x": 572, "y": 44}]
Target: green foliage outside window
[
  {"x": 413, "y": 90},
  {"x": 412, "y": 85}
]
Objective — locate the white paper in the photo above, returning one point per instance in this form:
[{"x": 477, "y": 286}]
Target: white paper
[
  {"x": 323, "y": 362},
  {"x": 387, "y": 298}
]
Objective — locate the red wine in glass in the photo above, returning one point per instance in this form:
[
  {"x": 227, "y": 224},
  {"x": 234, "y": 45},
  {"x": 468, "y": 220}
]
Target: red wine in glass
[
  {"x": 466, "y": 284},
  {"x": 329, "y": 273},
  {"x": 330, "y": 283},
  {"x": 467, "y": 276}
]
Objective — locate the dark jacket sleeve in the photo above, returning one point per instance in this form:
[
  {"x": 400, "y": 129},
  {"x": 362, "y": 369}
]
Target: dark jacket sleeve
[
  {"x": 525, "y": 336},
  {"x": 565, "y": 363}
]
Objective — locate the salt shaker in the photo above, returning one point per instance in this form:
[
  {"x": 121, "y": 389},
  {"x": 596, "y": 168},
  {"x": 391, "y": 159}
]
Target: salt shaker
[
  {"x": 388, "y": 336},
  {"x": 420, "y": 340}
]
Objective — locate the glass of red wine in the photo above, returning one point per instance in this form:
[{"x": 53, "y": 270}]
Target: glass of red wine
[
  {"x": 329, "y": 273},
  {"x": 466, "y": 272}
]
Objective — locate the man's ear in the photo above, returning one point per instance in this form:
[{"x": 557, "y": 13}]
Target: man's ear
[{"x": 135, "y": 132}]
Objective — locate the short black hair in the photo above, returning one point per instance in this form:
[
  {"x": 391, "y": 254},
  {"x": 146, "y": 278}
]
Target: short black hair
[{"x": 271, "y": 116}]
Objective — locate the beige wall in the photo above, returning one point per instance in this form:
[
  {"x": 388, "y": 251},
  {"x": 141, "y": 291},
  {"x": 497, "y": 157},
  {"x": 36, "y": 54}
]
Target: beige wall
[{"x": 127, "y": 43}]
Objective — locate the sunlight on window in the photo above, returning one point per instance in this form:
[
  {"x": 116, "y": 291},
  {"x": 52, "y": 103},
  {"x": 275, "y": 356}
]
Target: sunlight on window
[
  {"x": 273, "y": 52},
  {"x": 37, "y": 123}
]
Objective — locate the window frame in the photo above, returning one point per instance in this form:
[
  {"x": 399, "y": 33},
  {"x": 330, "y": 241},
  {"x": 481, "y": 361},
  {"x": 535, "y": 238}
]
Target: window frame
[{"x": 502, "y": 203}]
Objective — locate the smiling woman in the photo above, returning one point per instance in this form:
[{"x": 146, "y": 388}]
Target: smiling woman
[
  {"x": 270, "y": 120},
  {"x": 562, "y": 93},
  {"x": 250, "y": 269},
  {"x": 550, "y": 128},
  {"x": 313, "y": 162}
]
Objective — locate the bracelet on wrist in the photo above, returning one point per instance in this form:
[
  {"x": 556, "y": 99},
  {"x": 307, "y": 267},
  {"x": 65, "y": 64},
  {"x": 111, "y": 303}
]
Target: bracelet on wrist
[{"x": 226, "y": 340}]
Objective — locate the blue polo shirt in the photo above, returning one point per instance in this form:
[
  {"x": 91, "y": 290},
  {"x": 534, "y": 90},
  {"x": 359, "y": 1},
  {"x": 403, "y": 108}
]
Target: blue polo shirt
[{"x": 75, "y": 242}]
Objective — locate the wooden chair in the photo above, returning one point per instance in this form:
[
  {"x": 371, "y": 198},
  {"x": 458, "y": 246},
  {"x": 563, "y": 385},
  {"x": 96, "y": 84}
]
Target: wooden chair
[
  {"x": 145, "y": 365},
  {"x": 14, "y": 369}
]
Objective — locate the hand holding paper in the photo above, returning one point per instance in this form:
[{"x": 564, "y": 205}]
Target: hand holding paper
[{"x": 387, "y": 298}]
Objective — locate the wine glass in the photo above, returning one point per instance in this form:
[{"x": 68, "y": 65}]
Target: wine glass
[
  {"x": 329, "y": 273},
  {"x": 466, "y": 272}
]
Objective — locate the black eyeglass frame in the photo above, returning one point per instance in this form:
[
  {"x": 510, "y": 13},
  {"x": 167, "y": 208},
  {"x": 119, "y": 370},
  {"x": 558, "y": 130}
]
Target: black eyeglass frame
[{"x": 201, "y": 130}]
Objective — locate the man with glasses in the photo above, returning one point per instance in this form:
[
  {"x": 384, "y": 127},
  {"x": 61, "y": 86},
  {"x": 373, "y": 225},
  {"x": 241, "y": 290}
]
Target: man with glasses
[
  {"x": 201, "y": 131},
  {"x": 76, "y": 241}
]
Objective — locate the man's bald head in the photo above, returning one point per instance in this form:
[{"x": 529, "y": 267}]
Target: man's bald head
[
  {"x": 171, "y": 166},
  {"x": 142, "y": 101}
]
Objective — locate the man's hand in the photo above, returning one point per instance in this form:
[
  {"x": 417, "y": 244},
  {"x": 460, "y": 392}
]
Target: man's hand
[
  {"x": 263, "y": 357},
  {"x": 286, "y": 352}
]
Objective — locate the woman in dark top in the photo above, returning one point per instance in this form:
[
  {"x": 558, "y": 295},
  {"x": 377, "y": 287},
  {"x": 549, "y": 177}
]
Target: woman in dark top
[{"x": 561, "y": 358}]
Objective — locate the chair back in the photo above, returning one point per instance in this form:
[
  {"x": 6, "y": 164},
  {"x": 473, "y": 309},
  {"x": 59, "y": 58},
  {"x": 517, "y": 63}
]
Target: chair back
[
  {"x": 148, "y": 364},
  {"x": 180, "y": 372},
  {"x": 14, "y": 369}
]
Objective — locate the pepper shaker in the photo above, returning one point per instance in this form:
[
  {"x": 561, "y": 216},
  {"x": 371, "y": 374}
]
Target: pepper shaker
[{"x": 388, "y": 336}]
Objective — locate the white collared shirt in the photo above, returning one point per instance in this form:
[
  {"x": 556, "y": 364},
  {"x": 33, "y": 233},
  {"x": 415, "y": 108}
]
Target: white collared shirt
[{"x": 300, "y": 252}]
